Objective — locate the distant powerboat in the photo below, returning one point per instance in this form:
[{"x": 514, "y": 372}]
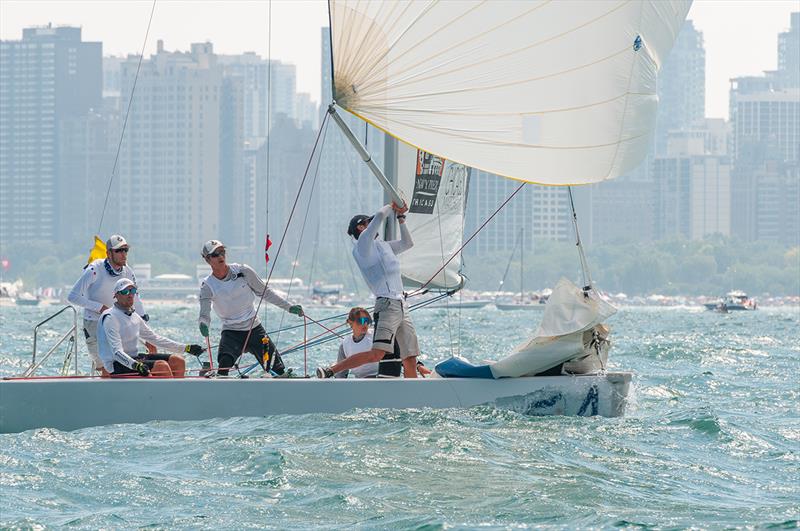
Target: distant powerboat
[
  {"x": 733, "y": 301},
  {"x": 27, "y": 299}
]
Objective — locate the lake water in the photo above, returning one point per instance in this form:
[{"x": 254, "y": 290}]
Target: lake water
[{"x": 711, "y": 439}]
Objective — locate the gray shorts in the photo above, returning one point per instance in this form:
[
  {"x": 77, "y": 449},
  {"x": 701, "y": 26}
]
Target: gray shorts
[{"x": 392, "y": 323}]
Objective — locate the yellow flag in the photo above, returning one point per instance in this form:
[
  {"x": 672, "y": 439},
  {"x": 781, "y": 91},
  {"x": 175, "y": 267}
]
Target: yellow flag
[{"x": 98, "y": 251}]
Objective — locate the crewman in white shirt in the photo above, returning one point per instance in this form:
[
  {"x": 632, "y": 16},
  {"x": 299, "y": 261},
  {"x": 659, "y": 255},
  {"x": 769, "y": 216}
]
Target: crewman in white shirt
[
  {"x": 231, "y": 290},
  {"x": 94, "y": 290},
  {"x": 118, "y": 334},
  {"x": 378, "y": 262},
  {"x": 361, "y": 341}
]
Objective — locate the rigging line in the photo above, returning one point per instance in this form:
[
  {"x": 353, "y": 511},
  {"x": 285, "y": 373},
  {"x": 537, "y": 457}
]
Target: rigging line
[
  {"x": 412, "y": 307},
  {"x": 510, "y": 259},
  {"x": 125, "y": 121},
  {"x": 283, "y": 237},
  {"x": 303, "y": 227},
  {"x": 441, "y": 251},
  {"x": 325, "y": 337},
  {"x": 587, "y": 278},
  {"x": 267, "y": 196},
  {"x": 415, "y": 292}
]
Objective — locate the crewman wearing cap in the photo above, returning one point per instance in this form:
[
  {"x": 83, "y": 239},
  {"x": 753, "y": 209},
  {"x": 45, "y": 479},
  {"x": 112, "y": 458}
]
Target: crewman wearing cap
[
  {"x": 395, "y": 340},
  {"x": 94, "y": 290},
  {"x": 231, "y": 289},
  {"x": 118, "y": 335}
]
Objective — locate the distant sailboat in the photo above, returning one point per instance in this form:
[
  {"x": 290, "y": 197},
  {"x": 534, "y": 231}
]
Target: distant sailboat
[{"x": 534, "y": 303}]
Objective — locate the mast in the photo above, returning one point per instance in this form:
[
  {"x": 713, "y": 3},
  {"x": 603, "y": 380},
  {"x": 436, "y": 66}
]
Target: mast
[{"x": 390, "y": 169}]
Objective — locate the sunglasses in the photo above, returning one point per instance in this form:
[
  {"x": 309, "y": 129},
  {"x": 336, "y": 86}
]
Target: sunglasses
[
  {"x": 123, "y": 250},
  {"x": 128, "y": 291},
  {"x": 216, "y": 254},
  {"x": 363, "y": 320}
]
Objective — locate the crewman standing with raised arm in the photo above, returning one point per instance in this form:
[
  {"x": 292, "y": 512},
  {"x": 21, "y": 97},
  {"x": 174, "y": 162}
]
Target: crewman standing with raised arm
[{"x": 378, "y": 262}]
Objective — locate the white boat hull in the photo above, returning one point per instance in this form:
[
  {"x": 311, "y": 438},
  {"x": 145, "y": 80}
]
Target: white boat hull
[
  {"x": 463, "y": 305},
  {"x": 70, "y": 404},
  {"x": 510, "y": 307}
]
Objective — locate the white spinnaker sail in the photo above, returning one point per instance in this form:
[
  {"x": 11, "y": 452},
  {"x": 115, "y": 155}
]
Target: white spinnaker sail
[
  {"x": 436, "y": 191},
  {"x": 550, "y": 92}
]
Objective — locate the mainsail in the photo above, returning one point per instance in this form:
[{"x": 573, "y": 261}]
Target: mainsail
[
  {"x": 436, "y": 192},
  {"x": 546, "y": 92}
]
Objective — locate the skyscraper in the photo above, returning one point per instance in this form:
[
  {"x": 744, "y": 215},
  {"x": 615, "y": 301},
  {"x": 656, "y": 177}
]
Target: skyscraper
[
  {"x": 765, "y": 116},
  {"x": 169, "y": 170},
  {"x": 789, "y": 53},
  {"x": 681, "y": 86},
  {"x": 48, "y": 77}
]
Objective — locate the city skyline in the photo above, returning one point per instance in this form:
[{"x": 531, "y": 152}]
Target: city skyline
[
  {"x": 201, "y": 133},
  {"x": 121, "y": 27}
]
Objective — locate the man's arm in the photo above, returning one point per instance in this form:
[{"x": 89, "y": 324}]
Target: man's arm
[
  {"x": 206, "y": 295},
  {"x": 146, "y": 333},
  {"x": 340, "y": 357},
  {"x": 111, "y": 329},
  {"x": 257, "y": 285},
  {"x": 405, "y": 242},
  {"x": 364, "y": 244},
  {"x": 78, "y": 294}
]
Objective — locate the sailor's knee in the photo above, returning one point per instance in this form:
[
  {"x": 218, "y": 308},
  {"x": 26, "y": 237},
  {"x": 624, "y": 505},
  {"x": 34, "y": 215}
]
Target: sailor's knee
[{"x": 161, "y": 368}]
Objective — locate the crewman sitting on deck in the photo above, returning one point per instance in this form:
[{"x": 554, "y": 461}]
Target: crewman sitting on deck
[
  {"x": 118, "y": 336},
  {"x": 360, "y": 340}
]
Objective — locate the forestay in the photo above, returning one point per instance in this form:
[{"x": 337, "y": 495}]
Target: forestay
[
  {"x": 435, "y": 190},
  {"x": 547, "y": 92}
]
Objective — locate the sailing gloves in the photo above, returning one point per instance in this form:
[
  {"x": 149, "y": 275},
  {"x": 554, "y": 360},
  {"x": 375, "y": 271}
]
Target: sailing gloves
[
  {"x": 141, "y": 368},
  {"x": 204, "y": 329},
  {"x": 296, "y": 310},
  {"x": 195, "y": 350}
]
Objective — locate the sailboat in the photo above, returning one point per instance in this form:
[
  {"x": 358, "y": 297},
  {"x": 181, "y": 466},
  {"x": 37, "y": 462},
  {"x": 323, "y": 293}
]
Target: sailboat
[
  {"x": 554, "y": 93},
  {"x": 521, "y": 303}
]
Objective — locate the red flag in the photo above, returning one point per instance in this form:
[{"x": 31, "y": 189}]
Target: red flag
[{"x": 267, "y": 245}]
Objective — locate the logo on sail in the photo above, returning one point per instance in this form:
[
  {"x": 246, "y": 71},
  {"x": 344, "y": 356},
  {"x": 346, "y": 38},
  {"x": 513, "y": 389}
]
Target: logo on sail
[{"x": 426, "y": 182}]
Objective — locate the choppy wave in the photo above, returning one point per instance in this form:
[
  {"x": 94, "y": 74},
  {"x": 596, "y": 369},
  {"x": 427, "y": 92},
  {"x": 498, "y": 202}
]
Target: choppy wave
[{"x": 710, "y": 440}]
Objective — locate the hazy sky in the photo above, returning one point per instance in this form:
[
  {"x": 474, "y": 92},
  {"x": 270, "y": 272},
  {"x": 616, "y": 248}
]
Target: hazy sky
[{"x": 740, "y": 35}]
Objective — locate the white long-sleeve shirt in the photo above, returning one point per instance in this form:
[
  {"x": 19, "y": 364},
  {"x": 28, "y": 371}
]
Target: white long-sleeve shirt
[
  {"x": 95, "y": 289},
  {"x": 377, "y": 259},
  {"x": 233, "y": 298},
  {"x": 118, "y": 335}
]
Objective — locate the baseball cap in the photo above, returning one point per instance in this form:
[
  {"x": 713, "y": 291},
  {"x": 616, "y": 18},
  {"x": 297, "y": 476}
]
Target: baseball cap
[
  {"x": 115, "y": 242},
  {"x": 357, "y": 220},
  {"x": 123, "y": 283},
  {"x": 210, "y": 246}
]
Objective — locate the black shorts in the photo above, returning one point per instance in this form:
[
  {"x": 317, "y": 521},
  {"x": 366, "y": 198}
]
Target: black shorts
[
  {"x": 232, "y": 342},
  {"x": 148, "y": 359}
]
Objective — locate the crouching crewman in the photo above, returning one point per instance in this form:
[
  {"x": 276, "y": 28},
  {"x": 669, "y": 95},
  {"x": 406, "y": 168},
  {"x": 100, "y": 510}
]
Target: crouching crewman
[{"x": 118, "y": 336}]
